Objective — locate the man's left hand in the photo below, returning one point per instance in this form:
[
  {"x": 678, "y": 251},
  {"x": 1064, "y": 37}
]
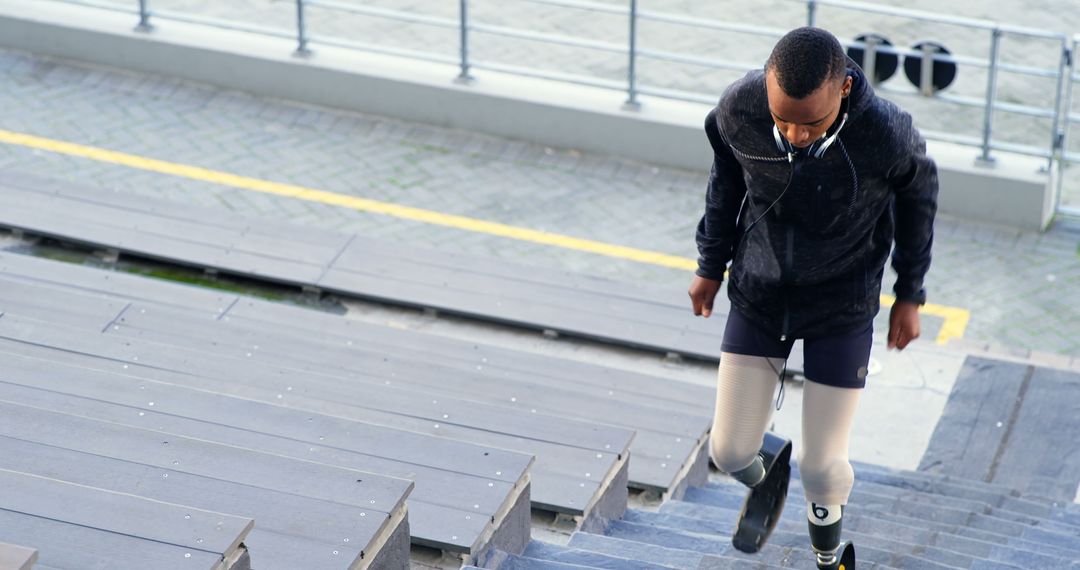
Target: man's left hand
[{"x": 903, "y": 324}]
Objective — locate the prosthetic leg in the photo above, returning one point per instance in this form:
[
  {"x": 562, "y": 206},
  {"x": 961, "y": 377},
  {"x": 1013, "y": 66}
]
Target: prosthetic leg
[
  {"x": 827, "y": 475},
  {"x": 742, "y": 447},
  {"x": 825, "y": 523},
  {"x": 767, "y": 478}
]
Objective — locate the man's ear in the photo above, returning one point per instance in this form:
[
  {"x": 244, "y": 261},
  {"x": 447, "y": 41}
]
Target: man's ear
[{"x": 845, "y": 89}]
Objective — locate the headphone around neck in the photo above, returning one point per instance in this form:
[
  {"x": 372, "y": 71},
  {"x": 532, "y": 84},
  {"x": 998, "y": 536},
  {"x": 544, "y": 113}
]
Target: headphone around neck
[{"x": 817, "y": 148}]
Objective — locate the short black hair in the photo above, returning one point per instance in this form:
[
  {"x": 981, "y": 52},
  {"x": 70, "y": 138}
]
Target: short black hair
[{"x": 804, "y": 58}]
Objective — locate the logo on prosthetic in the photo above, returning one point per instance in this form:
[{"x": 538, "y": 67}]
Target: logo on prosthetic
[{"x": 824, "y": 515}]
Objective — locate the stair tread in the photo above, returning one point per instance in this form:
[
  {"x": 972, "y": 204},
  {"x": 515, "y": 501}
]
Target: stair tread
[{"x": 855, "y": 520}]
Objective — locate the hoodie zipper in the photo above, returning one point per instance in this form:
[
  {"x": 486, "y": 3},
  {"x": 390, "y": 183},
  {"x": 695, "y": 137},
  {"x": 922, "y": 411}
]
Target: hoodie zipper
[
  {"x": 790, "y": 254},
  {"x": 789, "y": 260}
]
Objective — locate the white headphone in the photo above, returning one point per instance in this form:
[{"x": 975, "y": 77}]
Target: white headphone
[{"x": 817, "y": 149}]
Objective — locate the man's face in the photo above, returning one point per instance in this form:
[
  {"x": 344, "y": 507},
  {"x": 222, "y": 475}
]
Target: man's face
[{"x": 803, "y": 121}]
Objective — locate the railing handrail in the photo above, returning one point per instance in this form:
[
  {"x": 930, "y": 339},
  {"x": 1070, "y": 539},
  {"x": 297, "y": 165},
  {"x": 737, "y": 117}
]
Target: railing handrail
[{"x": 926, "y": 16}]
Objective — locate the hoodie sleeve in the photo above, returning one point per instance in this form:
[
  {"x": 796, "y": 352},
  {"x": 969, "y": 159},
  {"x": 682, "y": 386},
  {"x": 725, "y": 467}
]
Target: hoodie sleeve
[
  {"x": 717, "y": 231},
  {"x": 914, "y": 182}
]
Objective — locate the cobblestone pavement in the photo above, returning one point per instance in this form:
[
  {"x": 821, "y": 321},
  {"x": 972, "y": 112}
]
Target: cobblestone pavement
[
  {"x": 1022, "y": 288},
  {"x": 746, "y": 49}
]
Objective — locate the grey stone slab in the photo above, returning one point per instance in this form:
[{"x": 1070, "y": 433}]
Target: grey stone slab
[
  {"x": 958, "y": 494},
  {"x": 66, "y": 545},
  {"x": 648, "y": 553},
  {"x": 15, "y": 557},
  {"x": 723, "y": 507},
  {"x": 781, "y": 550},
  {"x": 515, "y": 562},
  {"x": 320, "y": 525},
  {"x": 178, "y": 525},
  {"x": 948, "y": 510},
  {"x": 792, "y": 531},
  {"x": 935, "y": 478},
  {"x": 543, "y": 551},
  {"x": 986, "y": 527},
  {"x": 971, "y": 432},
  {"x": 1043, "y": 452}
]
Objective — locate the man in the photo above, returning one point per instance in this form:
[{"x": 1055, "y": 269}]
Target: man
[{"x": 813, "y": 179}]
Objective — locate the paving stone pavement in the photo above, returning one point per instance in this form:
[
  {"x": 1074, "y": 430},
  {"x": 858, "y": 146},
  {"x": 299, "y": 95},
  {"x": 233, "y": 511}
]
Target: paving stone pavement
[
  {"x": 750, "y": 50},
  {"x": 1023, "y": 288}
]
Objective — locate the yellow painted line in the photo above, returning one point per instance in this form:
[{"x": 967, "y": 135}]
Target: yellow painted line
[{"x": 956, "y": 319}]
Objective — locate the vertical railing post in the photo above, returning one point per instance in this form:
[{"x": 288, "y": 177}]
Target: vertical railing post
[
  {"x": 463, "y": 76},
  {"x": 869, "y": 58},
  {"x": 926, "y": 70},
  {"x": 811, "y": 13},
  {"x": 991, "y": 95},
  {"x": 144, "y": 17},
  {"x": 301, "y": 30},
  {"x": 1063, "y": 140},
  {"x": 631, "y": 70},
  {"x": 1055, "y": 133}
]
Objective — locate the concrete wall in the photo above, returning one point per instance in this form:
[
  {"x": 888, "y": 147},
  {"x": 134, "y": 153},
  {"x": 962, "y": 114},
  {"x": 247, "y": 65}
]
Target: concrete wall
[{"x": 1012, "y": 192}]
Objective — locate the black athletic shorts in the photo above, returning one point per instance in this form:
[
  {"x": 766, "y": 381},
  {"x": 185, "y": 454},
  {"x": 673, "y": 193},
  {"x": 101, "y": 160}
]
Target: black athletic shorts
[{"x": 838, "y": 360}]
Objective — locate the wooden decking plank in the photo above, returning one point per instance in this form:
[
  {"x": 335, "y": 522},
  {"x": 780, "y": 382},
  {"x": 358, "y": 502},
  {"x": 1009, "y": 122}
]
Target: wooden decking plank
[
  {"x": 91, "y": 280},
  {"x": 438, "y": 487},
  {"x": 365, "y": 392},
  {"x": 514, "y": 285},
  {"x": 164, "y": 248},
  {"x": 93, "y": 312},
  {"x": 147, "y": 519},
  {"x": 373, "y": 441},
  {"x": 558, "y": 471},
  {"x": 375, "y": 492},
  {"x": 177, "y": 329},
  {"x": 67, "y": 545},
  {"x": 324, "y": 524},
  {"x": 535, "y": 313},
  {"x": 258, "y": 313}
]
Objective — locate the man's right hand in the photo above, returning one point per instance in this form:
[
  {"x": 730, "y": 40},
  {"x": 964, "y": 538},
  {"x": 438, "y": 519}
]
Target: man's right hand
[{"x": 702, "y": 293}]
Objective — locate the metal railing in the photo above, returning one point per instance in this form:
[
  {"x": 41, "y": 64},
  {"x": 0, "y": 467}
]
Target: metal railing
[{"x": 1064, "y": 70}]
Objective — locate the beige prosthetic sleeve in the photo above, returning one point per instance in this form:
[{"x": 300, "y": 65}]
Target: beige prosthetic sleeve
[
  {"x": 828, "y": 414},
  {"x": 744, "y": 403}
]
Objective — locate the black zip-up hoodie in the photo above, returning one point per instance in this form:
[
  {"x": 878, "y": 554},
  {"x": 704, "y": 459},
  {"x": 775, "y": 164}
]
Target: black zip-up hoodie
[{"x": 813, "y": 264}]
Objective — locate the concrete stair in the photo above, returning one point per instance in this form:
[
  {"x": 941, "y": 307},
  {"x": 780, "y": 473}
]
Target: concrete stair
[{"x": 897, "y": 520}]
